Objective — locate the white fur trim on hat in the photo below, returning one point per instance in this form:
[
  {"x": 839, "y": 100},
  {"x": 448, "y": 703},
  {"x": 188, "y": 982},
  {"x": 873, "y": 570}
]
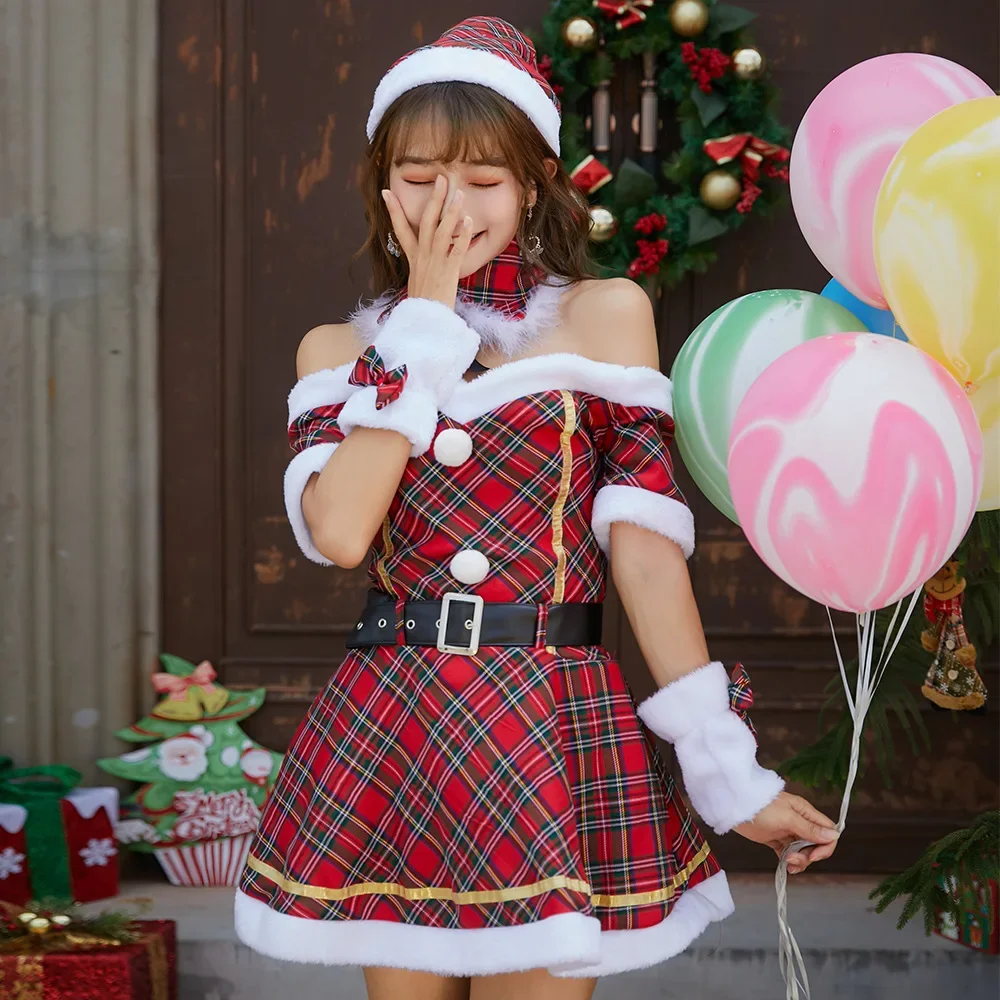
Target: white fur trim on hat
[
  {"x": 441, "y": 63},
  {"x": 714, "y": 747},
  {"x": 635, "y": 505}
]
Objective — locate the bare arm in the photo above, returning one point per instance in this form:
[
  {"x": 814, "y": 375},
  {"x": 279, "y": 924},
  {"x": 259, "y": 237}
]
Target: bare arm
[
  {"x": 346, "y": 502},
  {"x": 691, "y": 708}
]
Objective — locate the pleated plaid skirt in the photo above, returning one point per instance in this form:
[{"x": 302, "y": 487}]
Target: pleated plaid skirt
[{"x": 447, "y": 791}]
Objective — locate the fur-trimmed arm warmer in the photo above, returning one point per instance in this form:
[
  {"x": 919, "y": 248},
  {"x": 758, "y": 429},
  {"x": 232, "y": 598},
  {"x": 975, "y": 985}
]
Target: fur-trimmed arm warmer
[
  {"x": 415, "y": 361},
  {"x": 715, "y": 748}
]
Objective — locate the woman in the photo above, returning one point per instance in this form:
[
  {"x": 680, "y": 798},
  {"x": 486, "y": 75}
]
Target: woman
[{"x": 472, "y": 808}]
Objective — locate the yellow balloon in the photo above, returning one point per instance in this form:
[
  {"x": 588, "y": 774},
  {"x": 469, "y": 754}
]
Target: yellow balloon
[
  {"x": 937, "y": 238},
  {"x": 986, "y": 402}
]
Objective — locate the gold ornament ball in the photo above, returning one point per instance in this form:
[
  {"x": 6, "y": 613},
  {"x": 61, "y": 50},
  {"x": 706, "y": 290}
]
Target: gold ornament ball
[
  {"x": 719, "y": 190},
  {"x": 38, "y": 926},
  {"x": 748, "y": 63},
  {"x": 580, "y": 33},
  {"x": 688, "y": 17},
  {"x": 26, "y": 917},
  {"x": 603, "y": 224},
  {"x": 61, "y": 920}
]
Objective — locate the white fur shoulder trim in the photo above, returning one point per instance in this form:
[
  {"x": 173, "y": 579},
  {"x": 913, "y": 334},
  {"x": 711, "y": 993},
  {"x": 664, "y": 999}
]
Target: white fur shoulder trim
[
  {"x": 634, "y": 505},
  {"x": 629, "y": 386},
  {"x": 569, "y": 945},
  {"x": 323, "y": 388}
]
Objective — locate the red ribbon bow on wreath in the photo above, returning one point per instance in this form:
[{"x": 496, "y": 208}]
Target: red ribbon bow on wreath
[
  {"x": 740, "y": 695},
  {"x": 754, "y": 154},
  {"x": 628, "y": 12},
  {"x": 590, "y": 174},
  {"x": 369, "y": 369}
]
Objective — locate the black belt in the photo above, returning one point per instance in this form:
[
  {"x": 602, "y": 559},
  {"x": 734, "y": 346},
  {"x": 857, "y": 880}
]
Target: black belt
[{"x": 461, "y": 623}]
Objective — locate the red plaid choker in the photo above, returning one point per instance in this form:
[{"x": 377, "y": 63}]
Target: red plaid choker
[
  {"x": 508, "y": 304},
  {"x": 503, "y": 284}
]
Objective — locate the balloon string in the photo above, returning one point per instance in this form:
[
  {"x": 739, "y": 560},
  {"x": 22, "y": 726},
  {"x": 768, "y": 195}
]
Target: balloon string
[{"x": 790, "y": 960}]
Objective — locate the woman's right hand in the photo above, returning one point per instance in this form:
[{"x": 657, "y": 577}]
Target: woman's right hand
[{"x": 434, "y": 269}]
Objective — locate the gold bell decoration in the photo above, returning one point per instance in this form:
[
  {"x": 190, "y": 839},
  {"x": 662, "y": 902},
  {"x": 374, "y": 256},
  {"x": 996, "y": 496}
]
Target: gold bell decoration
[
  {"x": 748, "y": 63},
  {"x": 39, "y": 925},
  {"x": 720, "y": 190},
  {"x": 688, "y": 18},
  {"x": 603, "y": 224},
  {"x": 580, "y": 33}
]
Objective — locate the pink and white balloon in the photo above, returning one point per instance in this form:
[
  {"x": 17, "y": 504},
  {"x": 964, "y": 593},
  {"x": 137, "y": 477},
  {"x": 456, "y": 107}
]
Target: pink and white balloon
[
  {"x": 843, "y": 147},
  {"x": 855, "y": 464}
]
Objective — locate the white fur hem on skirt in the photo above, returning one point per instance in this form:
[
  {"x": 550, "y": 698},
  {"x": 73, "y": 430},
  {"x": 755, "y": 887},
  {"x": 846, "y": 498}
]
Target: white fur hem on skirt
[{"x": 568, "y": 945}]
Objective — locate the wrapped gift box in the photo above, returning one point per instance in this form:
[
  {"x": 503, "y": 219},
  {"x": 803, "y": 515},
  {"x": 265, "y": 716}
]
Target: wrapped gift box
[
  {"x": 83, "y": 841},
  {"x": 146, "y": 970},
  {"x": 977, "y": 924}
]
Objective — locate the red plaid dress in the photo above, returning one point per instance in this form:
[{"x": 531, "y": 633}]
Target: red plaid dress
[{"x": 478, "y": 814}]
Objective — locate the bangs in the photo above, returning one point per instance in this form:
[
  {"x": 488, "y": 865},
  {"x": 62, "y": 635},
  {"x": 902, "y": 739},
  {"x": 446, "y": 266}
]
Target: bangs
[{"x": 450, "y": 122}]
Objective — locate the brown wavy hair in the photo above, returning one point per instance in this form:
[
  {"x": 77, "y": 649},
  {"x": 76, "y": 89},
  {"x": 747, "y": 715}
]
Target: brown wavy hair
[{"x": 482, "y": 124}]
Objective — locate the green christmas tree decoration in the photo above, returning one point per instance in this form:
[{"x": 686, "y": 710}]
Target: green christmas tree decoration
[{"x": 203, "y": 779}]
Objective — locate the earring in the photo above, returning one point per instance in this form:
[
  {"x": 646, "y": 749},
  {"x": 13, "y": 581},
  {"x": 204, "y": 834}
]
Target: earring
[
  {"x": 391, "y": 245},
  {"x": 533, "y": 247}
]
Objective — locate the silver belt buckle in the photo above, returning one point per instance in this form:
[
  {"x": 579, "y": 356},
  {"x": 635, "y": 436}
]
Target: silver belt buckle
[{"x": 474, "y": 624}]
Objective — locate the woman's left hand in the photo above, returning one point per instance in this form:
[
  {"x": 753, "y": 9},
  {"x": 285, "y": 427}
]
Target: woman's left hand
[{"x": 788, "y": 818}]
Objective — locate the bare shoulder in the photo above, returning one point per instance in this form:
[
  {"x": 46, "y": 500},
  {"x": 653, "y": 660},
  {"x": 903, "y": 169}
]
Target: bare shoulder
[
  {"x": 328, "y": 346},
  {"x": 611, "y": 320}
]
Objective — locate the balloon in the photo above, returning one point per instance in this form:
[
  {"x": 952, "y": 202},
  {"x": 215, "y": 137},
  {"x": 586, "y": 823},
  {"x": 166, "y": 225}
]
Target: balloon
[
  {"x": 876, "y": 320},
  {"x": 720, "y": 361},
  {"x": 937, "y": 238},
  {"x": 843, "y": 147},
  {"x": 855, "y": 465},
  {"x": 986, "y": 402}
]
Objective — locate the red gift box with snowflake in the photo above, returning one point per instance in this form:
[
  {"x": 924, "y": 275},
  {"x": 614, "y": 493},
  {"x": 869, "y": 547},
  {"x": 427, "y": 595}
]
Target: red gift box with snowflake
[{"x": 56, "y": 840}]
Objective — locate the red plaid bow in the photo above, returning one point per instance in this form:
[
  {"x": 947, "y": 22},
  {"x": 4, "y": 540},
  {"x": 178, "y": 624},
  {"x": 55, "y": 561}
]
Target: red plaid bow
[
  {"x": 369, "y": 369},
  {"x": 627, "y": 12},
  {"x": 740, "y": 695}
]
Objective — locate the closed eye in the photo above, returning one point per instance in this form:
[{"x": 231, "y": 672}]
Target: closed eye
[{"x": 422, "y": 183}]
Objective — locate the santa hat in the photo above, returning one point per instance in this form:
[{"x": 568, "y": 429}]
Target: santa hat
[{"x": 484, "y": 50}]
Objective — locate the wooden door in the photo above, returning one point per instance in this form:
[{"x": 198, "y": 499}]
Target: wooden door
[{"x": 263, "y": 107}]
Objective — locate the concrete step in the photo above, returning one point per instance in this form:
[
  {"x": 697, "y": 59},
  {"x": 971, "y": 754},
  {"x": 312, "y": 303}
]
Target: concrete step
[{"x": 850, "y": 951}]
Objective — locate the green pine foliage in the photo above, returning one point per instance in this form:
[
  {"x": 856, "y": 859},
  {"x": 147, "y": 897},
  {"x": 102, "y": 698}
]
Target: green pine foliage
[
  {"x": 733, "y": 106},
  {"x": 974, "y": 851}
]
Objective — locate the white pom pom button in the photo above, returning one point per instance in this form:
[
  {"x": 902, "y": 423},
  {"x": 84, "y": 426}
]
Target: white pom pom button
[
  {"x": 469, "y": 566},
  {"x": 452, "y": 446}
]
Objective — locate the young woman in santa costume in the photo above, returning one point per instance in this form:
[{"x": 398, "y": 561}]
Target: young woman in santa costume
[{"x": 472, "y": 807}]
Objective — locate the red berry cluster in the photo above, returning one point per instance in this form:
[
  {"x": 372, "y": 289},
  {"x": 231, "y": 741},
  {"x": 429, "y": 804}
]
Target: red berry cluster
[
  {"x": 545, "y": 68},
  {"x": 706, "y": 65},
  {"x": 775, "y": 170},
  {"x": 651, "y": 223},
  {"x": 750, "y": 194},
  {"x": 651, "y": 252}
]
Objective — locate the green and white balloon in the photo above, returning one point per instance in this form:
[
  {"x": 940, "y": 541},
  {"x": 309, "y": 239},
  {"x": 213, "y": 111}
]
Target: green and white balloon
[{"x": 721, "y": 360}]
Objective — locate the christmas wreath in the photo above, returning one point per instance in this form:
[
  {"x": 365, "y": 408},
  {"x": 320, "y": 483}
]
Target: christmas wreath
[{"x": 660, "y": 217}]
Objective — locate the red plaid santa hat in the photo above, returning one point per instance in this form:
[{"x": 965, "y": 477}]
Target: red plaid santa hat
[{"x": 484, "y": 50}]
